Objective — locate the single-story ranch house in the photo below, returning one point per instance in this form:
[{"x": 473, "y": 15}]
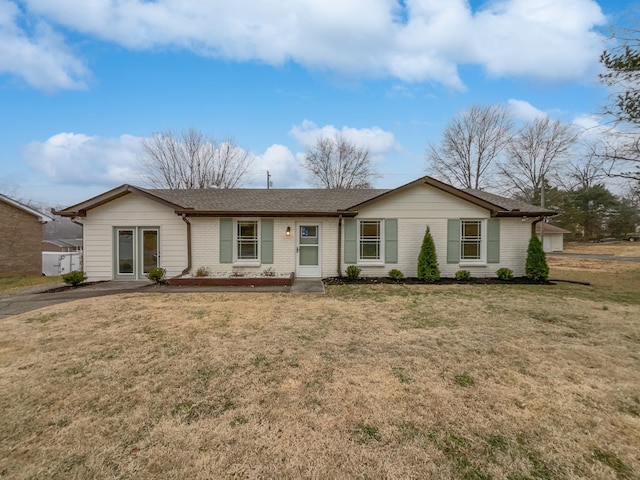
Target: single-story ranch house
[{"x": 310, "y": 232}]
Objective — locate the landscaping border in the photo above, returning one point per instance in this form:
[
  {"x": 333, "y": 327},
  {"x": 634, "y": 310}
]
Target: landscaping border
[{"x": 232, "y": 281}]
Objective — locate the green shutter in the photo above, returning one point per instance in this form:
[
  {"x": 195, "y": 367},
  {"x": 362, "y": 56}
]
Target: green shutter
[
  {"x": 350, "y": 241},
  {"x": 266, "y": 241},
  {"x": 453, "y": 240},
  {"x": 493, "y": 240},
  {"x": 391, "y": 240},
  {"x": 226, "y": 240}
]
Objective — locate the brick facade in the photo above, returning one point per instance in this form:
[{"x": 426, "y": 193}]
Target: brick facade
[{"x": 20, "y": 242}]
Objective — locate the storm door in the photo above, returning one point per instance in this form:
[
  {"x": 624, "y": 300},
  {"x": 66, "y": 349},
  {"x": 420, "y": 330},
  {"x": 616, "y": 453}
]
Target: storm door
[{"x": 308, "y": 251}]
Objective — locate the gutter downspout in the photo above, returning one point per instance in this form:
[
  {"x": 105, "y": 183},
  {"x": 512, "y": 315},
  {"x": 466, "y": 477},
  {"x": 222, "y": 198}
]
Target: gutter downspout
[
  {"x": 186, "y": 220},
  {"x": 340, "y": 246},
  {"x": 534, "y": 223}
]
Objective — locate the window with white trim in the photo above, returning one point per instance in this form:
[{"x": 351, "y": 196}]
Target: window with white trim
[
  {"x": 471, "y": 240},
  {"x": 247, "y": 240},
  {"x": 370, "y": 240}
]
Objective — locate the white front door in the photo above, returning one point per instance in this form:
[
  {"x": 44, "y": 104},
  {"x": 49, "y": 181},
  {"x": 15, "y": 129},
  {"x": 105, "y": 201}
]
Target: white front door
[{"x": 308, "y": 250}]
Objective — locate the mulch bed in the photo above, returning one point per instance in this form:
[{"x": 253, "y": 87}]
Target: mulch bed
[{"x": 442, "y": 281}]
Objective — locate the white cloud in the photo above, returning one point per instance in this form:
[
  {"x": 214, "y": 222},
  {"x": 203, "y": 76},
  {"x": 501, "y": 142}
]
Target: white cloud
[
  {"x": 588, "y": 122},
  {"x": 425, "y": 41},
  {"x": 39, "y": 56},
  {"x": 285, "y": 170},
  {"x": 78, "y": 159},
  {"x": 549, "y": 40},
  {"x": 523, "y": 110},
  {"x": 375, "y": 139}
]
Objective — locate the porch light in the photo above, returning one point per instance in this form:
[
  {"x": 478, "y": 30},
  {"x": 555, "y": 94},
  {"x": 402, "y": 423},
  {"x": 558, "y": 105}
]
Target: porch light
[{"x": 288, "y": 231}]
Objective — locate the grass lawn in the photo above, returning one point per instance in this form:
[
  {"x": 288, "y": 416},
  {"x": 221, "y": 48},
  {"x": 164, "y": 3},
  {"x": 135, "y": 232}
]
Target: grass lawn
[
  {"x": 619, "y": 249},
  {"x": 7, "y": 284},
  {"x": 368, "y": 381}
]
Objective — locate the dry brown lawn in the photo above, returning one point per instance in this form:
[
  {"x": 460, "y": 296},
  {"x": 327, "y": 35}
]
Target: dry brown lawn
[
  {"x": 471, "y": 382},
  {"x": 619, "y": 249}
]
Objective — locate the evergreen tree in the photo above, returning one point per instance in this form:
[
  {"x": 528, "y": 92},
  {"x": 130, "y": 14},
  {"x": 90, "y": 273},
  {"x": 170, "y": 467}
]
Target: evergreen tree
[
  {"x": 428, "y": 270},
  {"x": 536, "y": 266}
]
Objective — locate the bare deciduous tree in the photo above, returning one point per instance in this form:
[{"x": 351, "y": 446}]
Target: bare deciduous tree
[
  {"x": 621, "y": 150},
  {"x": 471, "y": 142},
  {"x": 586, "y": 170},
  {"x": 622, "y": 76},
  {"x": 338, "y": 163},
  {"x": 192, "y": 159},
  {"x": 534, "y": 153}
]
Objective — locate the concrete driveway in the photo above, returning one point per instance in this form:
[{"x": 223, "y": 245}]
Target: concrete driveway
[{"x": 29, "y": 299}]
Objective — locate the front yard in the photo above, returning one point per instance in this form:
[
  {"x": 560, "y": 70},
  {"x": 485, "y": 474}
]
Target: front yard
[{"x": 373, "y": 381}]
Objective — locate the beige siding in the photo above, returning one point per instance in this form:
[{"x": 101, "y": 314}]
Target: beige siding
[
  {"x": 422, "y": 201},
  {"x": 132, "y": 211},
  {"x": 206, "y": 247},
  {"x": 514, "y": 241},
  {"x": 423, "y": 206}
]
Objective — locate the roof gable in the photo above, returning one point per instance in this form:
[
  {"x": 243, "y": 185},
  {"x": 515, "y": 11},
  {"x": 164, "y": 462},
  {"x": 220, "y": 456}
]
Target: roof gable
[
  {"x": 80, "y": 209},
  {"x": 31, "y": 211},
  {"x": 497, "y": 205}
]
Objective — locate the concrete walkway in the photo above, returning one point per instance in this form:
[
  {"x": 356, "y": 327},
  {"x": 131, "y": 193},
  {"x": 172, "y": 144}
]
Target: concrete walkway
[
  {"x": 307, "y": 285},
  {"x": 38, "y": 297}
]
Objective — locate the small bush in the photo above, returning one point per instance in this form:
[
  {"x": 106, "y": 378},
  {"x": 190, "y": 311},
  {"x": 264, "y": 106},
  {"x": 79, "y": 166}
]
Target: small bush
[
  {"x": 74, "y": 278},
  {"x": 463, "y": 275},
  {"x": 156, "y": 274},
  {"x": 395, "y": 274},
  {"x": 202, "y": 272},
  {"x": 536, "y": 266},
  {"x": 353, "y": 273},
  {"x": 428, "y": 270},
  {"x": 504, "y": 274}
]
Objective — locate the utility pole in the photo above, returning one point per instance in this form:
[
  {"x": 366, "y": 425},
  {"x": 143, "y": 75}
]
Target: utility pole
[
  {"x": 268, "y": 180},
  {"x": 542, "y": 204}
]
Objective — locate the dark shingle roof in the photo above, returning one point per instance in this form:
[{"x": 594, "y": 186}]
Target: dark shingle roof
[
  {"x": 294, "y": 201},
  {"x": 507, "y": 204},
  {"x": 263, "y": 200}
]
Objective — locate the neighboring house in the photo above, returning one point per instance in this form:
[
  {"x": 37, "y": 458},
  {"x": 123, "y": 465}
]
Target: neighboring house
[
  {"x": 62, "y": 245},
  {"x": 20, "y": 238},
  {"x": 552, "y": 237},
  {"x": 311, "y": 232},
  {"x": 62, "y": 235}
]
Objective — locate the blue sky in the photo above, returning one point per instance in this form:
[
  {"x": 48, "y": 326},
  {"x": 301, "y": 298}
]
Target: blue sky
[{"x": 82, "y": 81}]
